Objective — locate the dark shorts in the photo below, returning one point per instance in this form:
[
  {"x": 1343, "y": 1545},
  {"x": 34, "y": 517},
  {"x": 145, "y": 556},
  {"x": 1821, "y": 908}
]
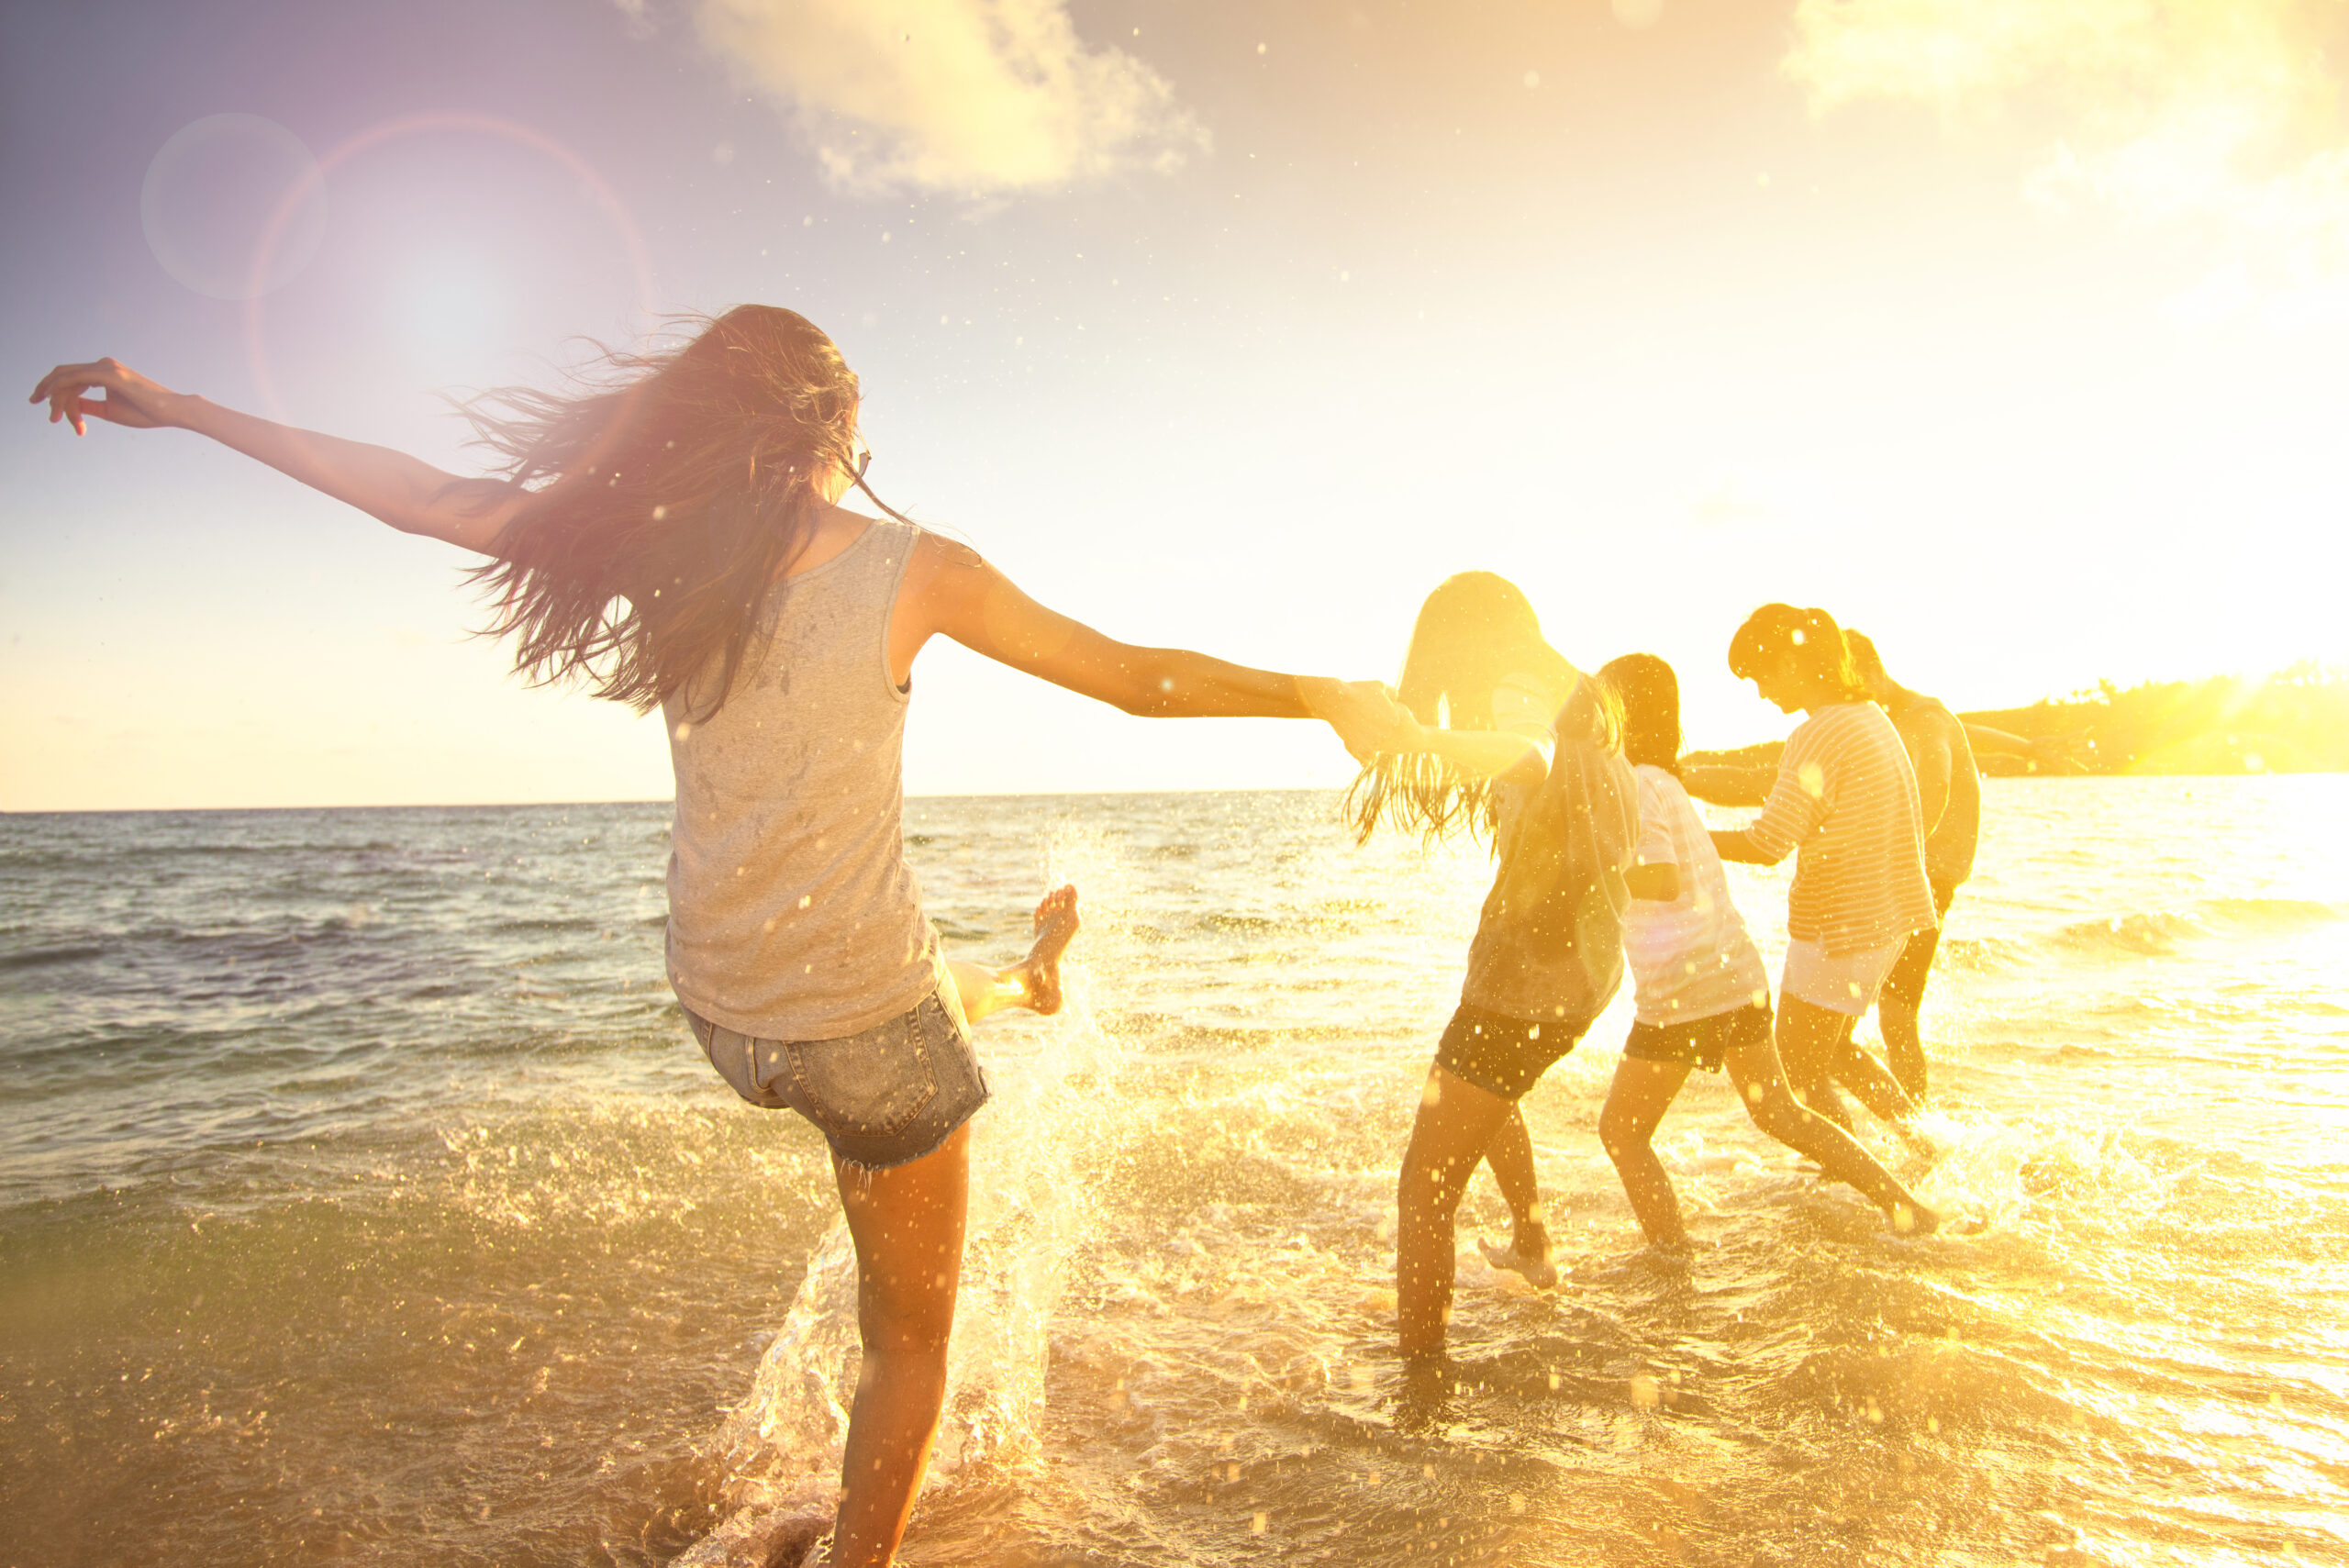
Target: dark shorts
[
  {"x": 886, "y": 1096},
  {"x": 1904, "y": 983},
  {"x": 1700, "y": 1043},
  {"x": 1503, "y": 1056}
]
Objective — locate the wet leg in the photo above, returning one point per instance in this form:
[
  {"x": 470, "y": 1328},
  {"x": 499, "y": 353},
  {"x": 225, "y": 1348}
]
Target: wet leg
[
  {"x": 907, "y": 1225},
  {"x": 1509, "y": 1156},
  {"x": 1810, "y": 1039},
  {"x": 1641, "y": 1093},
  {"x": 1455, "y": 1124},
  {"x": 1897, "y": 1003},
  {"x": 1904, "y": 1046},
  {"x": 1878, "y": 1090},
  {"x": 1754, "y": 1070}
]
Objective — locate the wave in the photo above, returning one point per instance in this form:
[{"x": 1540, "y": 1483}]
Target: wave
[
  {"x": 2272, "y": 914},
  {"x": 2141, "y": 933},
  {"x": 36, "y": 958},
  {"x": 2157, "y": 932}
]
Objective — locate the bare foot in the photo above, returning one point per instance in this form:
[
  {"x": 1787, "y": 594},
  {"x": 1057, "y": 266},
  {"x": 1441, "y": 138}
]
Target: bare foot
[
  {"x": 1912, "y": 1218},
  {"x": 1039, "y": 973},
  {"x": 1924, "y": 1153},
  {"x": 1540, "y": 1273}
]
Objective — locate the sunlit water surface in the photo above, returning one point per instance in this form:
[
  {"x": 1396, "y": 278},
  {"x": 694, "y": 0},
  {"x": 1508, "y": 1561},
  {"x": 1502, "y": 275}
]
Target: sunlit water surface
[{"x": 363, "y": 1199}]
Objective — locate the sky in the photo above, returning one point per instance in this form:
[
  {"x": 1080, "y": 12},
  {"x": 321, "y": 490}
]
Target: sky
[{"x": 2011, "y": 331}]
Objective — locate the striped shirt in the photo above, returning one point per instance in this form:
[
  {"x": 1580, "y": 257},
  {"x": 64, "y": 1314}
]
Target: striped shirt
[{"x": 1847, "y": 798}]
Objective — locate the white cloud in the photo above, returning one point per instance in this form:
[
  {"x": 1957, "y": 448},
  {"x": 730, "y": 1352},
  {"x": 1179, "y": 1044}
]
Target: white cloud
[
  {"x": 2212, "y": 112},
  {"x": 976, "y": 97}
]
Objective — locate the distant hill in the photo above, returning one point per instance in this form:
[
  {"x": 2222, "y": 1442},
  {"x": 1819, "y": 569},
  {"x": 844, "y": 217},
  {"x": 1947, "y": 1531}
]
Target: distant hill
[{"x": 2296, "y": 721}]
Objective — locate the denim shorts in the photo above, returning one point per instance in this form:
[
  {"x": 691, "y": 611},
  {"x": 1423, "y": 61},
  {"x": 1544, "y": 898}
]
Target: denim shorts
[{"x": 885, "y": 1096}]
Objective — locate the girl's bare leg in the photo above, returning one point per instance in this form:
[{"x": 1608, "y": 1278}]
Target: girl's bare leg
[
  {"x": 1641, "y": 1093},
  {"x": 1810, "y": 1039},
  {"x": 907, "y": 1225},
  {"x": 1034, "y": 982},
  {"x": 1457, "y": 1122},
  {"x": 1878, "y": 1090},
  {"x": 1815, "y": 1045},
  {"x": 1754, "y": 1070},
  {"x": 1904, "y": 1046},
  {"x": 1509, "y": 1156}
]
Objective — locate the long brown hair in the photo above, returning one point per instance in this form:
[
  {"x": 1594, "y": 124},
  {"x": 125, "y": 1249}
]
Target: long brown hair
[
  {"x": 1475, "y": 631},
  {"x": 1649, "y": 694},
  {"x": 669, "y": 491}
]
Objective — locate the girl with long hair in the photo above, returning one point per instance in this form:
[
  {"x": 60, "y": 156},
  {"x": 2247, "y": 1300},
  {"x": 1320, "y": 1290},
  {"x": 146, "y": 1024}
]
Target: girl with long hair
[
  {"x": 1703, "y": 997},
  {"x": 1503, "y": 736},
  {"x": 1846, "y": 798},
  {"x": 672, "y": 537}
]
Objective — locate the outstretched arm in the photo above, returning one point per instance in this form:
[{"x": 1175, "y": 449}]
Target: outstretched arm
[
  {"x": 1737, "y": 844},
  {"x": 956, "y": 592},
  {"x": 1998, "y": 743},
  {"x": 393, "y": 487},
  {"x": 1521, "y": 741},
  {"x": 1725, "y": 785}
]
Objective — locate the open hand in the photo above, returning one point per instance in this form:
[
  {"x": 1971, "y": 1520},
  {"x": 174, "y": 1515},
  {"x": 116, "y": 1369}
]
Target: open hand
[{"x": 130, "y": 398}]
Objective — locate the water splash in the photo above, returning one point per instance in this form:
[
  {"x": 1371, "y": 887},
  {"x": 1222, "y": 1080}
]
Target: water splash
[{"x": 1030, "y": 1217}]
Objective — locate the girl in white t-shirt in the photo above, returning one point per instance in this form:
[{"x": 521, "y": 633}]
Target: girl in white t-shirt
[{"x": 1703, "y": 998}]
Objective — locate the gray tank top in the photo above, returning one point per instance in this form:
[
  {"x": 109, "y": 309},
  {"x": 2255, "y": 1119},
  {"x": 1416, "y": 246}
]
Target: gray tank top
[{"x": 792, "y": 912}]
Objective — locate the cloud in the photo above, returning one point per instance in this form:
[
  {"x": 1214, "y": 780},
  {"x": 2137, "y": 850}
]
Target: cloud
[
  {"x": 2216, "y": 112},
  {"x": 983, "y": 98}
]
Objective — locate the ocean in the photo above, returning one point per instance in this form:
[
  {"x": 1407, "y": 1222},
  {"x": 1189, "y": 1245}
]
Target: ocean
[{"x": 364, "y": 1199}]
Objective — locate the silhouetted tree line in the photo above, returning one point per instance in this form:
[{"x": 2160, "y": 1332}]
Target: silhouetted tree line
[{"x": 2295, "y": 721}]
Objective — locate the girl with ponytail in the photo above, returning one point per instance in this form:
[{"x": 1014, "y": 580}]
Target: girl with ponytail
[{"x": 1844, "y": 801}]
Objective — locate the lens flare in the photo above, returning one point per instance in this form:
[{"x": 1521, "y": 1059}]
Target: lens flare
[
  {"x": 232, "y": 207},
  {"x": 280, "y": 234}
]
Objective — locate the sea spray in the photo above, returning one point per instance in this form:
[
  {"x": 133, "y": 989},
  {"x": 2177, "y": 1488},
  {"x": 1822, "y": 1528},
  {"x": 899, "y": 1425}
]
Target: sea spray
[{"x": 1030, "y": 1215}]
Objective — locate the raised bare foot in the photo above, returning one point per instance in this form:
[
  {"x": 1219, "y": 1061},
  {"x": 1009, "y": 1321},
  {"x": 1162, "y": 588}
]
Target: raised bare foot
[
  {"x": 1039, "y": 973},
  {"x": 1539, "y": 1271}
]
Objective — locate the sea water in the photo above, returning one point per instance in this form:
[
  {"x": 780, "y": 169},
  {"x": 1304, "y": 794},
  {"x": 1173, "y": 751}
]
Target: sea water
[{"x": 363, "y": 1198}]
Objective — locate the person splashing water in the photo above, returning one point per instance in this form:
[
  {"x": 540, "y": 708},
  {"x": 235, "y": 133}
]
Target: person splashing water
[{"x": 670, "y": 536}]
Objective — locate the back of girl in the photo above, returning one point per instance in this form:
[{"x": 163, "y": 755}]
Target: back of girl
[
  {"x": 674, "y": 538},
  {"x": 1502, "y": 736}
]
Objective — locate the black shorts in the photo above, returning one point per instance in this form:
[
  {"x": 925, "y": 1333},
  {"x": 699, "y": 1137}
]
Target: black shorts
[
  {"x": 1904, "y": 982},
  {"x": 1503, "y": 1056},
  {"x": 1700, "y": 1043}
]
